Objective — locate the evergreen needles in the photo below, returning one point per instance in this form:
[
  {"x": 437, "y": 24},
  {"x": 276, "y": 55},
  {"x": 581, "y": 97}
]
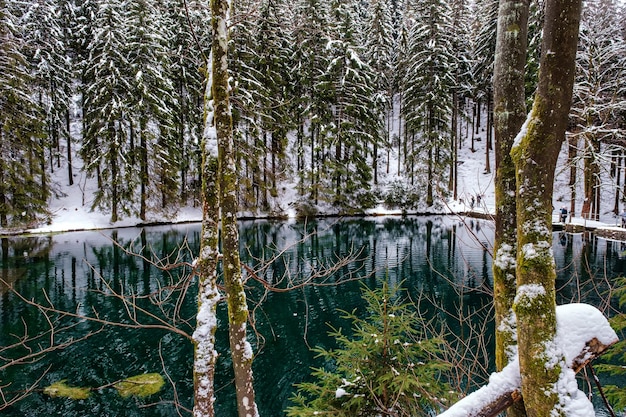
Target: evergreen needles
[{"x": 388, "y": 366}]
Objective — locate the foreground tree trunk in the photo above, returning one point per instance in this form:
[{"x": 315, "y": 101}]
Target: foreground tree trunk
[
  {"x": 535, "y": 157},
  {"x": 205, "y": 355},
  {"x": 241, "y": 350},
  {"x": 509, "y": 115}
]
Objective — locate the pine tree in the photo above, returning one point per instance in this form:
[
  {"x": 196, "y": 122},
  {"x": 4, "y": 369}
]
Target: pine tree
[
  {"x": 48, "y": 56},
  {"x": 388, "y": 367},
  {"x": 106, "y": 149},
  {"x": 150, "y": 108},
  {"x": 23, "y": 180},
  {"x": 379, "y": 55},
  {"x": 427, "y": 92}
]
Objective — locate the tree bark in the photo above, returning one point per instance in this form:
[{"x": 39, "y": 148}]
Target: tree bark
[
  {"x": 205, "y": 355},
  {"x": 492, "y": 404},
  {"x": 241, "y": 351},
  {"x": 509, "y": 115},
  {"x": 572, "y": 153},
  {"x": 535, "y": 158}
]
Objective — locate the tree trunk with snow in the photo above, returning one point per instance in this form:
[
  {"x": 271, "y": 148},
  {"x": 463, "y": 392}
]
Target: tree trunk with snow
[
  {"x": 509, "y": 115},
  {"x": 241, "y": 351},
  {"x": 205, "y": 355},
  {"x": 535, "y": 157}
]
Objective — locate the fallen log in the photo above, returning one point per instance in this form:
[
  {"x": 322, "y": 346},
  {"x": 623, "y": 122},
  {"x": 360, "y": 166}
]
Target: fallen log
[{"x": 583, "y": 333}]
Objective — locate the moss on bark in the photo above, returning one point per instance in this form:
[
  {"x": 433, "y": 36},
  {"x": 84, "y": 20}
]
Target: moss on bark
[
  {"x": 535, "y": 161},
  {"x": 509, "y": 116}
]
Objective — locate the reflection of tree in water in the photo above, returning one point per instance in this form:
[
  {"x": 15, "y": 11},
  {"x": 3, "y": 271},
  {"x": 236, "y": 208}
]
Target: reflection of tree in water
[{"x": 443, "y": 263}]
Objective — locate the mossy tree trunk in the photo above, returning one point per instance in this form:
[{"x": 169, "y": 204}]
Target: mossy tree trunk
[
  {"x": 509, "y": 115},
  {"x": 241, "y": 351},
  {"x": 205, "y": 355},
  {"x": 535, "y": 157}
]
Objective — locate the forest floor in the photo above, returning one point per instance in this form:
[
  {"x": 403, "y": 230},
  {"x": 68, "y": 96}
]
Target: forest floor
[{"x": 71, "y": 206}]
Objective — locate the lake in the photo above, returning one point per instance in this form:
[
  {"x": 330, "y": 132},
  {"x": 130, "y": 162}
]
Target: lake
[{"x": 444, "y": 261}]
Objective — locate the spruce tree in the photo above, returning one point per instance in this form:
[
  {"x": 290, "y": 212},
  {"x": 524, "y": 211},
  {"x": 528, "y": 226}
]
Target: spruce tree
[
  {"x": 106, "y": 149},
  {"x": 387, "y": 366},
  {"x": 189, "y": 46},
  {"x": 379, "y": 55},
  {"x": 24, "y": 188},
  {"x": 427, "y": 97},
  {"x": 151, "y": 107},
  {"x": 313, "y": 112},
  {"x": 48, "y": 55},
  {"x": 357, "y": 112},
  {"x": 274, "y": 60}
]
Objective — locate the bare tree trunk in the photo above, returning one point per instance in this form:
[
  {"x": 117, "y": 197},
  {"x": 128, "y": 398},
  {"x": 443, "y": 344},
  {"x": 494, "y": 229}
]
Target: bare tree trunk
[
  {"x": 70, "y": 174},
  {"x": 535, "y": 158},
  {"x": 488, "y": 136},
  {"x": 241, "y": 350},
  {"x": 509, "y": 108},
  {"x": 617, "y": 177},
  {"x": 205, "y": 355},
  {"x": 571, "y": 157}
]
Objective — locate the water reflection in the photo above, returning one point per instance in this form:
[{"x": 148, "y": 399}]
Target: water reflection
[{"x": 432, "y": 256}]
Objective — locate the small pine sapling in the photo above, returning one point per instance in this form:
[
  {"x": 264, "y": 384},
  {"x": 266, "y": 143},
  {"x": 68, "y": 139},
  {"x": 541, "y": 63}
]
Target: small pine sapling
[{"x": 388, "y": 367}]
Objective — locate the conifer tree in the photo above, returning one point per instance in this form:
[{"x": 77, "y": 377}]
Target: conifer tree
[
  {"x": 189, "y": 46},
  {"x": 389, "y": 367},
  {"x": 461, "y": 87},
  {"x": 311, "y": 62},
  {"x": 274, "y": 59},
  {"x": 484, "y": 50},
  {"x": 107, "y": 99},
  {"x": 151, "y": 131},
  {"x": 357, "y": 112},
  {"x": 378, "y": 53},
  {"x": 49, "y": 58},
  {"x": 23, "y": 180},
  {"x": 262, "y": 68},
  {"x": 427, "y": 92}
]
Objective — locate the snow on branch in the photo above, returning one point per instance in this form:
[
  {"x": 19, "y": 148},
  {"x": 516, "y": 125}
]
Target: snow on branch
[{"x": 583, "y": 333}]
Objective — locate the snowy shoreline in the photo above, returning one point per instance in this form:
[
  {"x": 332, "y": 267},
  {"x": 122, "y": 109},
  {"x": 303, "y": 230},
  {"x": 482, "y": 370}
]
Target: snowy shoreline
[{"x": 94, "y": 221}]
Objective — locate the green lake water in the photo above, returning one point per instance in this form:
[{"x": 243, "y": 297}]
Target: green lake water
[{"x": 76, "y": 272}]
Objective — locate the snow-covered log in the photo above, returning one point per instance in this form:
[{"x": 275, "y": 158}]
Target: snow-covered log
[{"x": 583, "y": 333}]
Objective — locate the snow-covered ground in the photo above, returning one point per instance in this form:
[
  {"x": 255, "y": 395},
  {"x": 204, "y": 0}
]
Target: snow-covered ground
[{"x": 71, "y": 210}]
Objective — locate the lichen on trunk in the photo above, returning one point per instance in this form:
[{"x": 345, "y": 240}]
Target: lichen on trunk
[
  {"x": 535, "y": 155},
  {"x": 233, "y": 280},
  {"x": 205, "y": 355},
  {"x": 509, "y": 116}
]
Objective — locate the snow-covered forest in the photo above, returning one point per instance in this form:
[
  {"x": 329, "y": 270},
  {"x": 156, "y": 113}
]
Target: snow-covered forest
[{"x": 338, "y": 104}]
